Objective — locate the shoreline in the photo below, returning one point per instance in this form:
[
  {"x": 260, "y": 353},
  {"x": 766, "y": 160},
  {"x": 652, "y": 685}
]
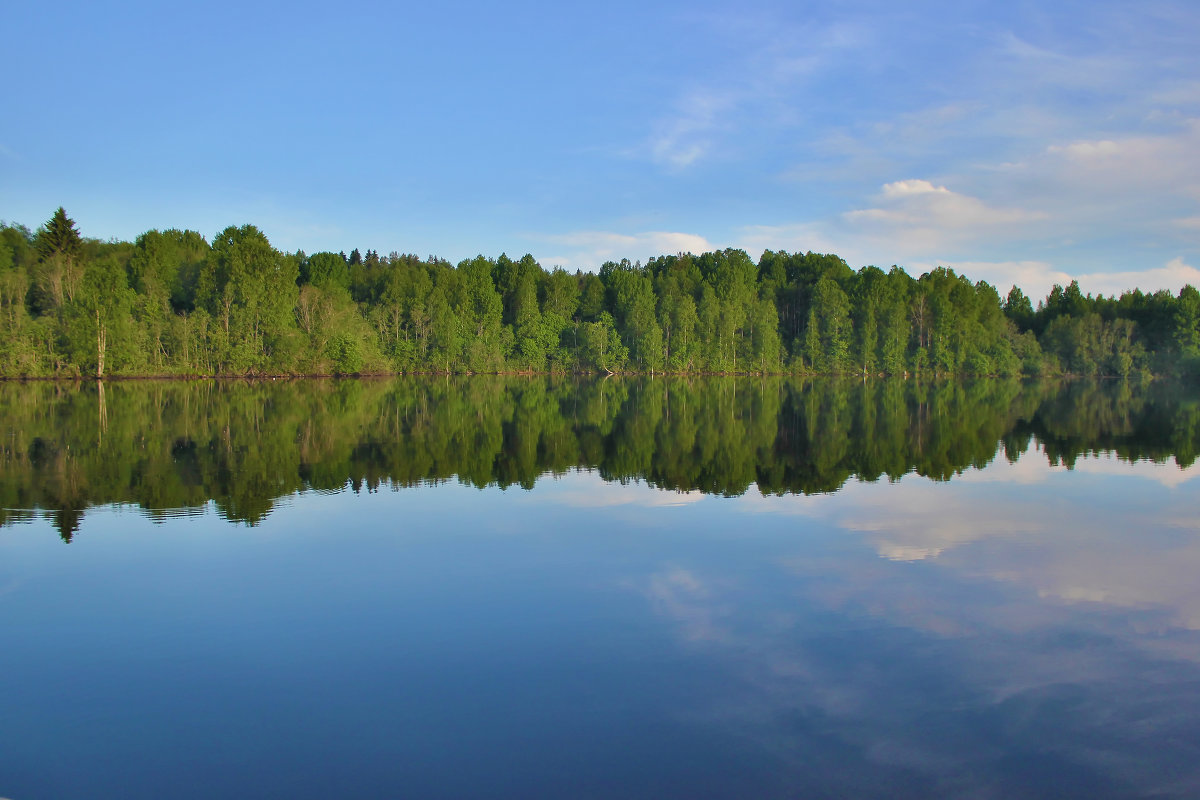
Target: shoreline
[{"x": 535, "y": 374}]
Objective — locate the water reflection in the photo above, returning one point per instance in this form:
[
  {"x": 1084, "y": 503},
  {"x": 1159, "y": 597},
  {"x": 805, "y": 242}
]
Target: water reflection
[
  {"x": 1031, "y": 631},
  {"x": 176, "y": 445},
  {"x": 1023, "y": 630}
]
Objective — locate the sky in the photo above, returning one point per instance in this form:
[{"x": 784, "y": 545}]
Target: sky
[{"x": 1020, "y": 142}]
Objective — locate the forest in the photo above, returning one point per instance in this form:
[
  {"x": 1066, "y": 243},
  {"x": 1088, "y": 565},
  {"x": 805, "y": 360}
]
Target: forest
[
  {"x": 172, "y": 303},
  {"x": 168, "y": 446}
]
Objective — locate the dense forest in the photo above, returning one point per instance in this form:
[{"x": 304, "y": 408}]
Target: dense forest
[
  {"x": 241, "y": 445},
  {"x": 172, "y": 303}
]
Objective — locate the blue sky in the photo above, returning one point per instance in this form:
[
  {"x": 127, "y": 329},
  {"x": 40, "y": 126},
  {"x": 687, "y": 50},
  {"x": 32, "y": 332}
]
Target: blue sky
[{"x": 1017, "y": 142}]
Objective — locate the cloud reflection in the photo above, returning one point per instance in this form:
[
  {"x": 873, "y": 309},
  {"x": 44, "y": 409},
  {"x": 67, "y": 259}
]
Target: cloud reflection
[
  {"x": 1021, "y": 625},
  {"x": 585, "y": 489},
  {"x": 1023, "y": 522},
  {"x": 680, "y": 595}
]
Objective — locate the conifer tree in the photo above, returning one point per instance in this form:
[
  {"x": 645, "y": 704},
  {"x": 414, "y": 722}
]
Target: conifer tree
[
  {"x": 59, "y": 237},
  {"x": 59, "y": 246}
]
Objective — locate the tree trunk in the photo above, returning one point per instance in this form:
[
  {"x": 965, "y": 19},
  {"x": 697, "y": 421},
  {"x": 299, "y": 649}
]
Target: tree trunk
[{"x": 101, "y": 345}]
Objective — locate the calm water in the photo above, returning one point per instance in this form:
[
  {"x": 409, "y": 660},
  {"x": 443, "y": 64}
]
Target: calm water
[{"x": 538, "y": 588}]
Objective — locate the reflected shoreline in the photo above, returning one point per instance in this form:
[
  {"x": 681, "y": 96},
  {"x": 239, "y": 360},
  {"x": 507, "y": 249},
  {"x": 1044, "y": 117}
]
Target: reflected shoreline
[{"x": 242, "y": 444}]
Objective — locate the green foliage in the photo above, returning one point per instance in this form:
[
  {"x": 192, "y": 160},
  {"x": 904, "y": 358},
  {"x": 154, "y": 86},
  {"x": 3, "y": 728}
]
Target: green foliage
[
  {"x": 631, "y": 296},
  {"x": 59, "y": 249},
  {"x": 250, "y": 289},
  {"x": 831, "y": 321},
  {"x": 171, "y": 303},
  {"x": 1186, "y": 333},
  {"x": 602, "y": 346},
  {"x": 59, "y": 237},
  {"x": 326, "y": 270},
  {"x": 165, "y": 445}
]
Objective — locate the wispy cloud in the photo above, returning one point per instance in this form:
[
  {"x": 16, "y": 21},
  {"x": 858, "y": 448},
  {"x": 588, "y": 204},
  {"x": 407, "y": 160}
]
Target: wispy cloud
[
  {"x": 753, "y": 89},
  {"x": 1116, "y": 188},
  {"x": 685, "y": 136},
  {"x": 799, "y": 237},
  {"x": 1088, "y": 152},
  {"x": 1049, "y": 152},
  {"x": 1167, "y": 162},
  {"x": 1182, "y": 93},
  {"x": 1054, "y": 67}
]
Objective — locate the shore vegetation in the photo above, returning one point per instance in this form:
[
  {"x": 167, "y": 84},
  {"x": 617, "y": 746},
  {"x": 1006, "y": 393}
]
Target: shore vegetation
[{"x": 174, "y": 303}]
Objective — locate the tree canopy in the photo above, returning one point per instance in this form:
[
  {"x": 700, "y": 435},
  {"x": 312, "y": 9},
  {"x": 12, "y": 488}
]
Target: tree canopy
[
  {"x": 165, "y": 445},
  {"x": 176, "y": 303}
]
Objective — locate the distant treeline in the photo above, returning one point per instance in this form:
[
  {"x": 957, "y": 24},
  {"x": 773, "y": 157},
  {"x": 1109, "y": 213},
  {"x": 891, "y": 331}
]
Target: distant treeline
[
  {"x": 242, "y": 445},
  {"x": 173, "y": 303}
]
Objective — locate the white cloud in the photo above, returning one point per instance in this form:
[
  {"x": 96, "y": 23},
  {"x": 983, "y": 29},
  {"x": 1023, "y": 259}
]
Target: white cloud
[
  {"x": 918, "y": 224},
  {"x": 1040, "y": 128},
  {"x": 912, "y": 187},
  {"x": 921, "y": 224},
  {"x": 915, "y": 222},
  {"x": 1012, "y": 173},
  {"x": 1173, "y": 277},
  {"x": 919, "y": 205},
  {"x": 589, "y": 249},
  {"x": 1035, "y": 278}
]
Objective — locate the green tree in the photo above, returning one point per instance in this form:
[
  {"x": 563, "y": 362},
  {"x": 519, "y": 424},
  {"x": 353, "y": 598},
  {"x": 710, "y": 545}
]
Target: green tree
[
  {"x": 250, "y": 289},
  {"x": 831, "y": 309},
  {"x": 59, "y": 248},
  {"x": 602, "y": 346},
  {"x": 326, "y": 270}
]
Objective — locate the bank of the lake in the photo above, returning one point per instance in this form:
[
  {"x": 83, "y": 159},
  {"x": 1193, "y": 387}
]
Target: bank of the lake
[{"x": 173, "y": 302}]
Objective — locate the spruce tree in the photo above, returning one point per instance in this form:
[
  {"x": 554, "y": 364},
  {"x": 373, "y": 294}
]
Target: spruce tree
[
  {"x": 59, "y": 237},
  {"x": 59, "y": 247}
]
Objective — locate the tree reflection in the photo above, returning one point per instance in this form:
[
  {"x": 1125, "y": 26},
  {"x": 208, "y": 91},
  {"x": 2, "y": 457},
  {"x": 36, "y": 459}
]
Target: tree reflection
[{"x": 242, "y": 445}]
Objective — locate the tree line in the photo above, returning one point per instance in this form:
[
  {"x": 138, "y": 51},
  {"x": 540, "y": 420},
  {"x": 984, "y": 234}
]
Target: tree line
[
  {"x": 172, "y": 303},
  {"x": 167, "y": 446}
]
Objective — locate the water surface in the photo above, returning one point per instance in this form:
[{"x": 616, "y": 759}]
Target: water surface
[{"x": 500, "y": 588}]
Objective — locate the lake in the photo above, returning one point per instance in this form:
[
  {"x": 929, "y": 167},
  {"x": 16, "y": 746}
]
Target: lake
[{"x": 548, "y": 587}]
